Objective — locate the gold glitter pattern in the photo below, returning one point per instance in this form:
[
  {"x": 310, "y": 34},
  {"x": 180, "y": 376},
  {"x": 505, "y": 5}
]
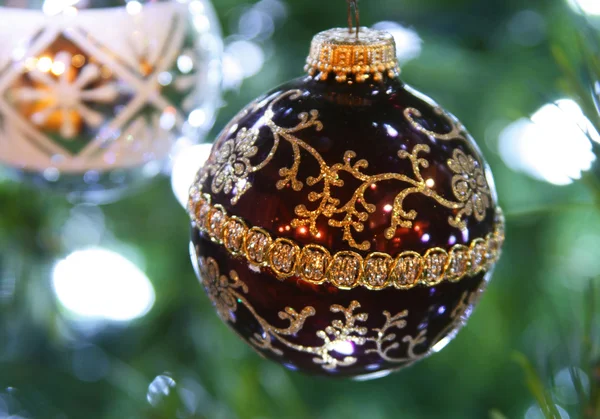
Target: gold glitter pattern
[
  {"x": 345, "y": 269},
  {"x": 339, "y": 332},
  {"x": 385, "y": 339},
  {"x": 226, "y": 293},
  {"x": 220, "y": 288},
  {"x": 470, "y": 187},
  {"x": 230, "y": 165},
  {"x": 456, "y": 133}
]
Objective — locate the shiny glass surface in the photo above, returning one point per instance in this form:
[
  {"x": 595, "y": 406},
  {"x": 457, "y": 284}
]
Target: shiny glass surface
[{"x": 368, "y": 119}]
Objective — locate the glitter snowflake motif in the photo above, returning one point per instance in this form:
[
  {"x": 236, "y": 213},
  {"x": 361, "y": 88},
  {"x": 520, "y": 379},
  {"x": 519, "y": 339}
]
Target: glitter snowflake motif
[{"x": 67, "y": 95}]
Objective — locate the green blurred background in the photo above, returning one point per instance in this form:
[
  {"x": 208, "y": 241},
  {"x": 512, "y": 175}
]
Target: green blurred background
[{"x": 488, "y": 62}]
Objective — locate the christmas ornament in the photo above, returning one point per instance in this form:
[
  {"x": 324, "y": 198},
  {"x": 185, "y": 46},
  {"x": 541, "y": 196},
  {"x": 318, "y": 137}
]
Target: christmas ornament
[
  {"x": 93, "y": 96},
  {"x": 344, "y": 223}
]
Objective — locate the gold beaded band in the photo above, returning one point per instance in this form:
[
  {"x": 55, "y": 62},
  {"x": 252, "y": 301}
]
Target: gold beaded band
[
  {"x": 340, "y": 52},
  {"x": 347, "y": 269}
]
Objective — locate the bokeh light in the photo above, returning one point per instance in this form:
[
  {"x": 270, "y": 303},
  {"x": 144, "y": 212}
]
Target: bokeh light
[
  {"x": 246, "y": 48},
  {"x": 99, "y": 284},
  {"x": 554, "y": 145},
  {"x": 185, "y": 167},
  {"x": 591, "y": 7},
  {"x": 242, "y": 59},
  {"x": 54, "y": 7},
  {"x": 408, "y": 42},
  {"x": 133, "y": 7},
  {"x": 566, "y": 382},
  {"x": 89, "y": 363},
  {"x": 535, "y": 412},
  {"x": 85, "y": 227},
  {"x": 527, "y": 28},
  {"x": 159, "y": 388}
]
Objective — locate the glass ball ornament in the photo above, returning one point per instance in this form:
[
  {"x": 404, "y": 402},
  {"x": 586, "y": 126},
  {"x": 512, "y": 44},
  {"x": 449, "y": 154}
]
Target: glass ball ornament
[
  {"x": 96, "y": 94},
  {"x": 344, "y": 223}
]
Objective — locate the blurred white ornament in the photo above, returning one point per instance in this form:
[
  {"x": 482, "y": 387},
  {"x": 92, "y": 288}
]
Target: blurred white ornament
[
  {"x": 554, "y": 145},
  {"x": 590, "y": 7},
  {"x": 97, "y": 284},
  {"x": 89, "y": 110}
]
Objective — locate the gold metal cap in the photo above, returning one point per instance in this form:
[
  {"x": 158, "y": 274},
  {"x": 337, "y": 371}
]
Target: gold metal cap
[{"x": 339, "y": 51}]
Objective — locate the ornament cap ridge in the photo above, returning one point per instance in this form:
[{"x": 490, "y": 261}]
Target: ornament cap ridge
[{"x": 339, "y": 52}]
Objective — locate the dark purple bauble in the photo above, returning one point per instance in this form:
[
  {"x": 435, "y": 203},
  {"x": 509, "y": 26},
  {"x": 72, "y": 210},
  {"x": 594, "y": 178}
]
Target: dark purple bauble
[{"x": 345, "y": 225}]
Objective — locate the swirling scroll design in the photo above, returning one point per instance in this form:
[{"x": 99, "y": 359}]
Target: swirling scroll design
[
  {"x": 385, "y": 340},
  {"x": 456, "y": 131},
  {"x": 339, "y": 332},
  {"x": 227, "y": 292},
  {"x": 230, "y": 166}
]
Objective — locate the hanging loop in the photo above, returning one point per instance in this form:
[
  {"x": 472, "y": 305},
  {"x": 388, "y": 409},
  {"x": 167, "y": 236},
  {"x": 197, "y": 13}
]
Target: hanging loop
[{"x": 353, "y": 4}]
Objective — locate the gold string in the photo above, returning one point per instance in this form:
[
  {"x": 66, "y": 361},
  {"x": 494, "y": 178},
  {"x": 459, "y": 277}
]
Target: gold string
[{"x": 353, "y": 4}]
